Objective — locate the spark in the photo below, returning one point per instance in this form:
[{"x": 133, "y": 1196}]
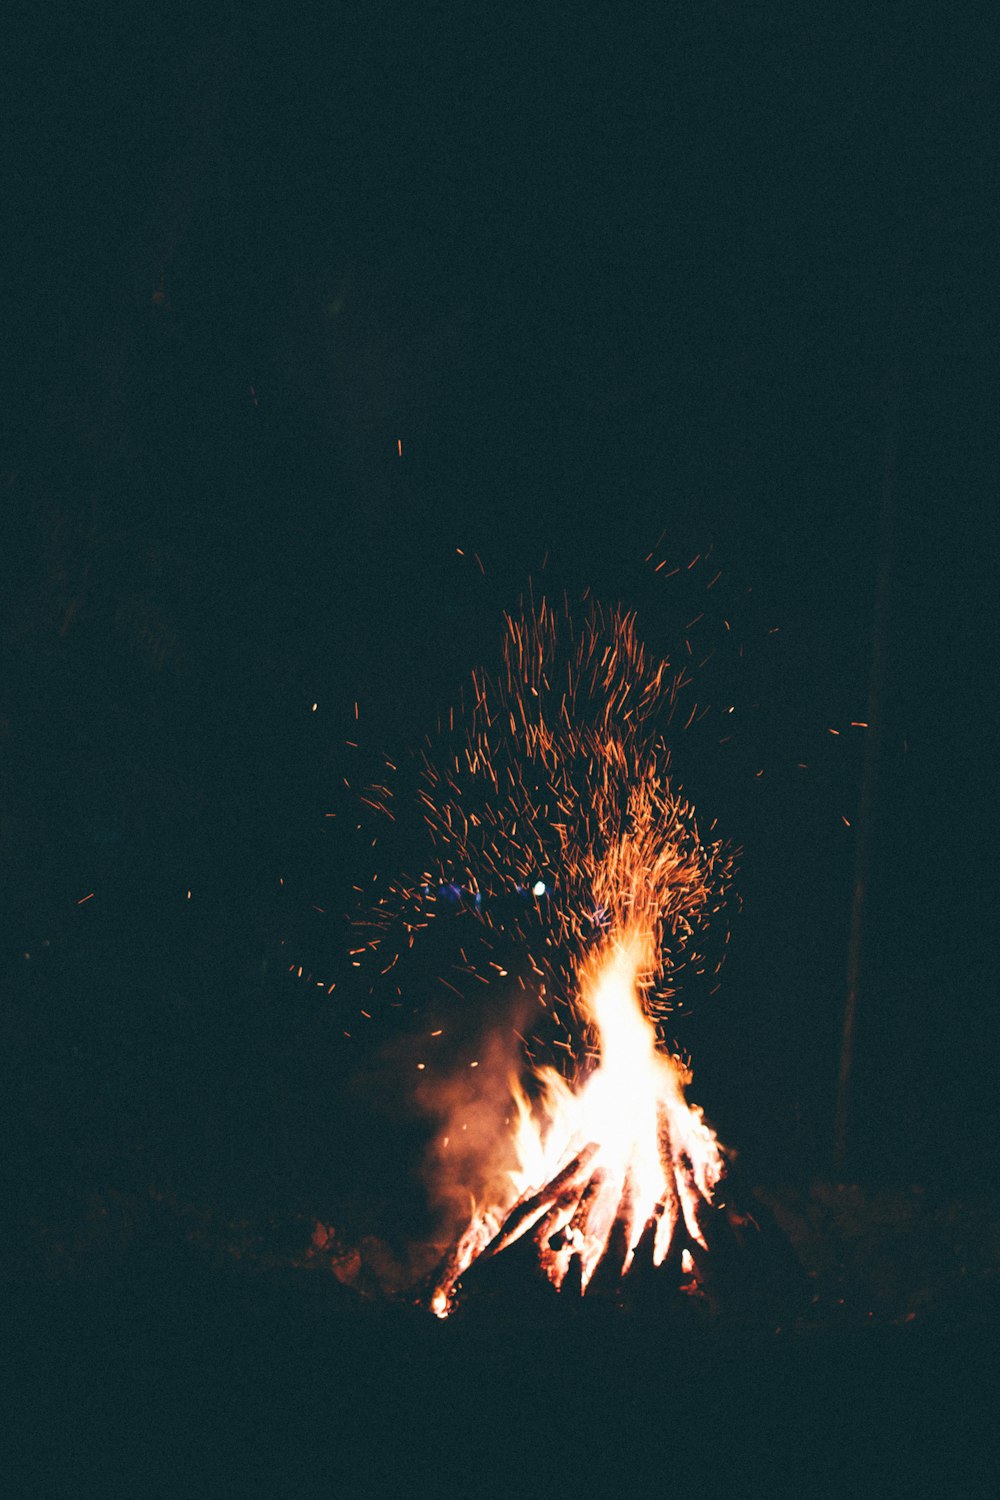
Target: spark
[{"x": 558, "y": 761}]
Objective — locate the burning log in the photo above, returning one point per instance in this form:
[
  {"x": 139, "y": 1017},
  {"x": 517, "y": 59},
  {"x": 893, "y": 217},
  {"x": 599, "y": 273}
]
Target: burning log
[
  {"x": 557, "y": 1193},
  {"x": 514, "y": 1279},
  {"x": 610, "y": 1268}
]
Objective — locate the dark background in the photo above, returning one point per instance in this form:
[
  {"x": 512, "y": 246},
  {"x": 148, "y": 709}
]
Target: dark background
[{"x": 647, "y": 281}]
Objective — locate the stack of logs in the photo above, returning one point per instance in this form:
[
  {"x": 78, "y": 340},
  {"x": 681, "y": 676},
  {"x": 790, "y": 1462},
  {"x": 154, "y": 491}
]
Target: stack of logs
[{"x": 745, "y": 1270}]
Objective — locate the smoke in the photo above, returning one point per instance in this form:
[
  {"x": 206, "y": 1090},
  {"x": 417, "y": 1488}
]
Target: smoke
[{"x": 472, "y": 1153}]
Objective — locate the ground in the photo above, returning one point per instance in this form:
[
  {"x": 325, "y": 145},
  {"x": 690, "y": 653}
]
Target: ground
[{"x": 156, "y": 1349}]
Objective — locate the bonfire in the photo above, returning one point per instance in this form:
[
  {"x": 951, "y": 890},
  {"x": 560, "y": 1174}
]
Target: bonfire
[
  {"x": 622, "y": 1149},
  {"x": 562, "y": 763}
]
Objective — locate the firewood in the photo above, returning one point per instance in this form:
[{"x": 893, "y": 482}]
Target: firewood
[
  {"x": 530, "y": 1209},
  {"x": 607, "y": 1273}
]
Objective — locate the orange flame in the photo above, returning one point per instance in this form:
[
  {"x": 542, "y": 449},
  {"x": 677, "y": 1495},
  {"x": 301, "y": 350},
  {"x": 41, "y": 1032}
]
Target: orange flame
[{"x": 624, "y": 1146}]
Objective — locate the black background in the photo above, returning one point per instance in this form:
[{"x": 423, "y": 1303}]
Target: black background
[{"x": 646, "y": 281}]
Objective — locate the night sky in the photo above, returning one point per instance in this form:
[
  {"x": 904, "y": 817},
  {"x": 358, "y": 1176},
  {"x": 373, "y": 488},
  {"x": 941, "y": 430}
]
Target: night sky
[{"x": 654, "y": 283}]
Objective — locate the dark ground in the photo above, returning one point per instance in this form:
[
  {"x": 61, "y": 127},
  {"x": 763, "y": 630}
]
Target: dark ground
[
  {"x": 205, "y": 1385},
  {"x": 605, "y": 278}
]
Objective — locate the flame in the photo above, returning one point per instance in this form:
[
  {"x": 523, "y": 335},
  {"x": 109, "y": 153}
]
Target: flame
[{"x": 622, "y": 1147}]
